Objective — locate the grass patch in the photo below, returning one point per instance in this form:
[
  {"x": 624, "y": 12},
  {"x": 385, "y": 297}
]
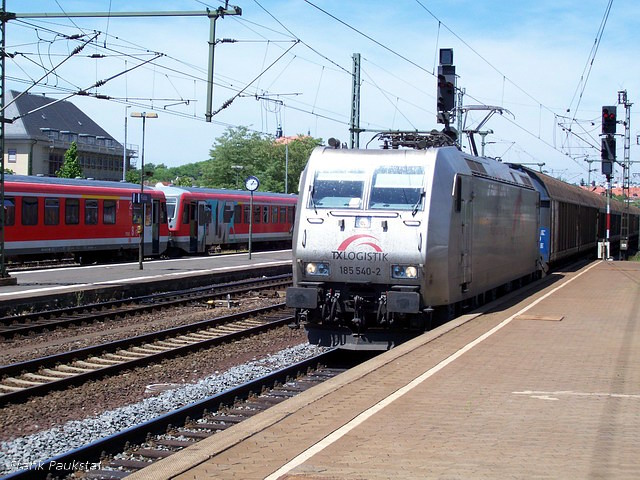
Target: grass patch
[{"x": 635, "y": 258}]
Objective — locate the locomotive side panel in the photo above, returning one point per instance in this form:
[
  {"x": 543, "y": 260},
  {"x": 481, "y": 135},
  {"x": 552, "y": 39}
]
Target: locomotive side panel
[{"x": 503, "y": 234}]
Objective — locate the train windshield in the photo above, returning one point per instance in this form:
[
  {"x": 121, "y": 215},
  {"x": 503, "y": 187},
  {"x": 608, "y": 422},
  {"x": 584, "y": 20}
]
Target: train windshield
[
  {"x": 171, "y": 208},
  {"x": 397, "y": 187},
  {"x": 337, "y": 189}
]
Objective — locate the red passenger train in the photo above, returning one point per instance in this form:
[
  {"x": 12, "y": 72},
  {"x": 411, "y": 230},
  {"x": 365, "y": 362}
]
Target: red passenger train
[
  {"x": 93, "y": 220},
  {"x": 98, "y": 221},
  {"x": 205, "y": 219}
]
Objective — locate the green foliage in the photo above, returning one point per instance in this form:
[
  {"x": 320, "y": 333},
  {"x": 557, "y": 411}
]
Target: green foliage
[
  {"x": 8, "y": 171},
  {"x": 133, "y": 176},
  {"x": 71, "y": 166},
  {"x": 251, "y": 153},
  {"x": 239, "y": 153}
]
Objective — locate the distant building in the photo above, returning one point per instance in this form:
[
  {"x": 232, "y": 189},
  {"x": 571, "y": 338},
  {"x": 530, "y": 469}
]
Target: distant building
[
  {"x": 634, "y": 192},
  {"x": 35, "y": 143}
]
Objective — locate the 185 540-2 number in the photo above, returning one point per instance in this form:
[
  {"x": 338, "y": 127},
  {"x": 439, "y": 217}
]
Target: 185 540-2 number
[{"x": 366, "y": 271}]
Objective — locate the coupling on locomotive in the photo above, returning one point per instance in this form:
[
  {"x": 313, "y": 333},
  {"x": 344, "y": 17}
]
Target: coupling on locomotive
[{"x": 384, "y": 239}]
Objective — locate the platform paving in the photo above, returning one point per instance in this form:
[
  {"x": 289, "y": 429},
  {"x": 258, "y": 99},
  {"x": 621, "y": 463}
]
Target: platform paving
[{"x": 542, "y": 387}]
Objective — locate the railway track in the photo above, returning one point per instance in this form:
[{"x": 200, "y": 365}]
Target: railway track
[
  {"x": 170, "y": 433},
  {"x": 63, "y": 317},
  {"x": 40, "y": 376}
]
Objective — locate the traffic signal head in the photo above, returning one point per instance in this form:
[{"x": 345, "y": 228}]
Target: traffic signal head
[
  {"x": 609, "y": 119},
  {"x": 608, "y": 148},
  {"x": 446, "y": 88}
]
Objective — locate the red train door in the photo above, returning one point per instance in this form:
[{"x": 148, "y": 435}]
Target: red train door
[
  {"x": 155, "y": 228},
  {"x": 193, "y": 228}
]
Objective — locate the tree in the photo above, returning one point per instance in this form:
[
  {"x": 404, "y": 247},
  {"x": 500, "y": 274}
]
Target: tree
[
  {"x": 71, "y": 166},
  {"x": 239, "y": 153},
  {"x": 237, "y": 147},
  {"x": 132, "y": 176},
  {"x": 299, "y": 151}
]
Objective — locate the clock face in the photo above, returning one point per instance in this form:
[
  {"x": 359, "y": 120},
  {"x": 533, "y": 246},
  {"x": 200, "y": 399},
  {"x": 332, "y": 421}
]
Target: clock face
[{"x": 252, "y": 183}]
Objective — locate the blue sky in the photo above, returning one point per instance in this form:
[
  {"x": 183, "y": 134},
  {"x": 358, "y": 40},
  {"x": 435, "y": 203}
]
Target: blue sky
[{"x": 527, "y": 57}]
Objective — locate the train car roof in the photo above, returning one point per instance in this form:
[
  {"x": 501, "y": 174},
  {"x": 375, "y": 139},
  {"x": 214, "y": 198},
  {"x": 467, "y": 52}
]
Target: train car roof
[
  {"x": 70, "y": 182},
  {"x": 174, "y": 190},
  {"x": 559, "y": 190}
]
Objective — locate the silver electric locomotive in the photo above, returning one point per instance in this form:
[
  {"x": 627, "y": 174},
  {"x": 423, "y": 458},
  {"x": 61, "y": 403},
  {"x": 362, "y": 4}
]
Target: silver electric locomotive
[{"x": 384, "y": 237}]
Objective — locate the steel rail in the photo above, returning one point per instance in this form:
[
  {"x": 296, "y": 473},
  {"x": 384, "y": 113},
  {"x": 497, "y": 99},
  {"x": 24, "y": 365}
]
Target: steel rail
[
  {"x": 39, "y": 321},
  {"x": 92, "y": 452},
  {"x": 36, "y": 365}
]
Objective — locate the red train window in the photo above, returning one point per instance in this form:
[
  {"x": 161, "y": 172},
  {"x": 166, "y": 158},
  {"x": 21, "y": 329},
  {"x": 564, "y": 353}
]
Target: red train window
[
  {"x": 137, "y": 214},
  {"x": 283, "y": 214},
  {"x": 51, "y": 211},
  {"x": 228, "y": 213},
  {"x": 185, "y": 213},
  {"x": 246, "y": 214},
  {"x": 29, "y": 211},
  {"x": 256, "y": 214},
  {"x": 72, "y": 211},
  {"x": 265, "y": 214},
  {"x": 9, "y": 211},
  {"x": 237, "y": 214},
  {"x": 91, "y": 212},
  {"x": 274, "y": 214},
  {"x": 109, "y": 212}
]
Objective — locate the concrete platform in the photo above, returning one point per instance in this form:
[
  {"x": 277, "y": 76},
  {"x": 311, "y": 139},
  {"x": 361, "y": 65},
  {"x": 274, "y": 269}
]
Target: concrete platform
[
  {"x": 71, "y": 285},
  {"x": 546, "y": 386}
]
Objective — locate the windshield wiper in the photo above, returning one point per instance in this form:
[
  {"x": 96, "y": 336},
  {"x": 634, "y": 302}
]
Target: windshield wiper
[
  {"x": 417, "y": 205},
  {"x": 312, "y": 190}
]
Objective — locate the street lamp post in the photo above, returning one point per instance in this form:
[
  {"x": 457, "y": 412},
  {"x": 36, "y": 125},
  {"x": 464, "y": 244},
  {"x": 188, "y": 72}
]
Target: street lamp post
[
  {"x": 144, "y": 116},
  {"x": 237, "y": 168}
]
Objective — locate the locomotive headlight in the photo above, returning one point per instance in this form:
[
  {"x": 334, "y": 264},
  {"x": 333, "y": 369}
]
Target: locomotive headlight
[
  {"x": 404, "y": 271},
  {"x": 318, "y": 269}
]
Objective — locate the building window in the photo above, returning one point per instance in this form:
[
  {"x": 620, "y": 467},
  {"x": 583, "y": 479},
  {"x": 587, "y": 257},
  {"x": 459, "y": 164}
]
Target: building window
[
  {"x": 51, "y": 211},
  {"x": 29, "y": 211},
  {"x": 12, "y": 155},
  {"x": 91, "y": 212},
  {"x": 72, "y": 211}
]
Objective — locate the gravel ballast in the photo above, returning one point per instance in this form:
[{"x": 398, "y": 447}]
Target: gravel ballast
[{"x": 25, "y": 451}]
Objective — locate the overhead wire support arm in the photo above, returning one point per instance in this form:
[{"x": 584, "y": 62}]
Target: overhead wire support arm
[
  {"x": 230, "y": 101},
  {"x": 212, "y": 14},
  {"x": 75, "y": 51},
  {"x": 85, "y": 92}
]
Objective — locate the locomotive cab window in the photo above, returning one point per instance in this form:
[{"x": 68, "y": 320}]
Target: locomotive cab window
[
  {"x": 397, "y": 187},
  {"x": 337, "y": 189}
]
